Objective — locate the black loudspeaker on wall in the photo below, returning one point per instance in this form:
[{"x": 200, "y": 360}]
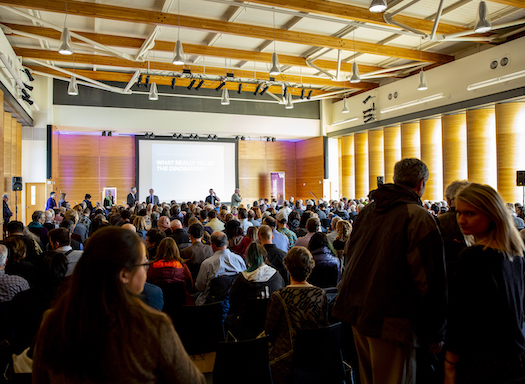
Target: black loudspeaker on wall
[
  {"x": 380, "y": 181},
  {"x": 17, "y": 183},
  {"x": 520, "y": 178}
]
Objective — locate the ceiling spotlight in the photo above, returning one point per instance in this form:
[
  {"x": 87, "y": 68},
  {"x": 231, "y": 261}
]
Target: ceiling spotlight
[
  {"x": 309, "y": 94},
  {"x": 65, "y": 43},
  {"x": 192, "y": 83},
  {"x": 289, "y": 104},
  {"x": 173, "y": 83},
  {"x": 29, "y": 75},
  {"x": 186, "y": 71},
  {"x": 110, "y": 133},
  {"x": 483, "y": 25},
  {"x": 345, "y": 107},
  {"x": 28, "y": 100},
  {"x": 370, "y": 109},
  {"x": 273, "y": 138},
  {"x": 139, "y": 80},
  {"x": 104, "y": 134},
  {"x": 174, "y": 136},
  {"x": 153, "y": 94},
  {"x": 180, "y": 137},
  {"x": 377, "y": 6},
  {"x": 215, "y": 137},
  {"x": 30, "y": 87},
  {"x": 267, "y": 138},
  {"x": 25, "y": 93},
  {"x": 243, "y": 138},
  {"x": 72, "y": 89},
  {"x": 265, "y": 88},
  {"x": 369, "y": 118},
  {"x": 178, "y": 59},
  {"x": 257, "y": 89},
  {"x": 151, "y": 135},
  {"x": 196, "y": 137},
  {"x": 302, "y": 94},
  {"x": 367, "y": 99},
  {"x": 222, "y": 84},
  {"x": 199, "y": 85},
  {"x": 147, "y": 81},
  {"x": 355, "y": 74},
  {"x": 225, "y": 99},
  {"x": 237, "y": 138},
  {"x": 209, "y": 137},
  {"x": 422, "y": 82},
  {"x": 191, "y": 137},
  {"x": 275, "y": 70},
  {"x": 239, "y": 89}
]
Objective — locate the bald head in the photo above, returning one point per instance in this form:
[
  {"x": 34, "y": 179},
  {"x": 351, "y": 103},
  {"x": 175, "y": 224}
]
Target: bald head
[
  {"x": 163, "y": 223},
  {"x": 219, "y": 241},
  {"x": 176, "y": 224},
  {"x": 129, "y": 227}
]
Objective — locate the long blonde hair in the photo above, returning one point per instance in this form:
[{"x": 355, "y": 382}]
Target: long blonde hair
[{"x": 503, "y": 234}]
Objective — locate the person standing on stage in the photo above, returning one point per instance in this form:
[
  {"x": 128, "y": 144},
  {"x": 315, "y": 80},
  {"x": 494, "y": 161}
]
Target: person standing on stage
[
  {"x": 51, "y": 202},
  {"x": 236, "y": 198},
  {"x": 132, "y": 197},
  {"x": 212, "y": 198},
  {"x": 7, "y": 213},
  {"x": 152, "y": 199}
]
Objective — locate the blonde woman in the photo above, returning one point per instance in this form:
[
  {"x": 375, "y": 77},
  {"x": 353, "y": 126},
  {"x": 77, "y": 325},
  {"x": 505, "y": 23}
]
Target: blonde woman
[{"x": 484, "y": 340}]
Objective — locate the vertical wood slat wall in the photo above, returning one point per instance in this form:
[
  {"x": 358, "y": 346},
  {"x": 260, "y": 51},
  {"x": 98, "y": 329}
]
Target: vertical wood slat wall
[
  {"x": 347, "y": 166},
  {"x": 483, "y": 145},
  {"x": 376, "y": 157}
]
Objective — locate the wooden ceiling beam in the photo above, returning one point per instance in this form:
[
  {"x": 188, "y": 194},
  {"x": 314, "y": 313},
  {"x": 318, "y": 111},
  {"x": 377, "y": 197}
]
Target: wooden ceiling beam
[
  {"x": 512, "y": 3},
  {"x": 191, "y": 49},
  {"x": 109, "y": 12},
  {"x": 164, "y": 80},
  {"x": 111, "y": 61},
  {"x": 330, "y": 8}
]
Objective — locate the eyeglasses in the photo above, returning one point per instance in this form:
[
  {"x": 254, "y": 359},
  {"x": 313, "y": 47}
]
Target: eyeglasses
[{"x": 145, "y": 265}]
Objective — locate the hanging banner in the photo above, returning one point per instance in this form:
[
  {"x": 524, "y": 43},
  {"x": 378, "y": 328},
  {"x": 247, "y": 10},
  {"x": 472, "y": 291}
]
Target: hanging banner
[{"x": 277, "y": 186}]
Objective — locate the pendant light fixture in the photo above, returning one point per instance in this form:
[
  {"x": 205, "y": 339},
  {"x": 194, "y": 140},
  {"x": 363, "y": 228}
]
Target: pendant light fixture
[
  {"x": 483, "y": 25},
  {"x": 179, "y": 53},
  {"x": 355, "y": 69},
  {"x": 153, "y": 94},
  {"x": 422, "y": 79},
  {"x": 289, "y": 104},
  {"x": 274, "y": 70},
  {"x": 377, "y": 6},
  {"x": 65, "y": 39},
  {"x": 345, "y": 107},
  {"x": 72, "y": 90},
  {"x": 225, "y": 100}
]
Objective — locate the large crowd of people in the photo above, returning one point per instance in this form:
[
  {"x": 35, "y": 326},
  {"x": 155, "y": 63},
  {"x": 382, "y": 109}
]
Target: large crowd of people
[{"x": 82, "y": 286}]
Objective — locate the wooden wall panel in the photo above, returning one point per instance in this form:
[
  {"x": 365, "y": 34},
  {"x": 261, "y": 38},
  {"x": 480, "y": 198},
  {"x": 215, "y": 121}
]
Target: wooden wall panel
[
  {"x": 7, "y": 156},
  {"x": 116, "y": 167},
  {"x": 310, "y": 168},
  {"x": 431, "y": 155},
  {"x": 310, "y": 148},
  {"x": 392, "y": 140},
  {"x": 481, "y": 146},
  {"x": 376, "y": 157},
  {"x": 117, "y": 146},
  {"x": 347, "y": 167},
  {"x": 361, "y": 165},
  {"x": 510, "y": 138},
  {"x": 410, "y": 141},
  {"x": 454, "y": 148},
  {"x": 78, "y": 145}
]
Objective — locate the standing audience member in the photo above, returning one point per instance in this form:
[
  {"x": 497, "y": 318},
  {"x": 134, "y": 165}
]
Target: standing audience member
[
  {"x": 62, "y": 200},
  {"x": 100, "y": 331},
  {"x": 10, "y": 285},
  {"x": 298, "y": 306},
  {"x": 486, "y": 348},
  {"x": 51, "y": 202},
  {"x": 395, "y": 257}
]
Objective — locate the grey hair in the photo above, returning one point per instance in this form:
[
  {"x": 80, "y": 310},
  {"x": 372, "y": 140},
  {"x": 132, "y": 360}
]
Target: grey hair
[
  {"x": 409, "y": 172},
  {"x": 453, "y": 188}
]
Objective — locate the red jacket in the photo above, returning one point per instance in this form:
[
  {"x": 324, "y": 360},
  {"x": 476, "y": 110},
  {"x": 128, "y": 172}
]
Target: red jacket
[{"x": 170, "y": 272}]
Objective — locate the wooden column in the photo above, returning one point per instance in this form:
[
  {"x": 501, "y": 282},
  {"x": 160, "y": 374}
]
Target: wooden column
[
  {"x": 431, "y": 155},
  {"x": 392, "y": 139},
  {"x": 481, "y": 146},
  {"x": 376, "y": 157},
  {"x": 410, "y": 141},
  {"x": 510, "y": 140},
  {"x": 454, "y": 148},
  {"x": 7, "y": 156},
  {"x": 348, "y": 167},
  {"x": 361, "y": 164}
]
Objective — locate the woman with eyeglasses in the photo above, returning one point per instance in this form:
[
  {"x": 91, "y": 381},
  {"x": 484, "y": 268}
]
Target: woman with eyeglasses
[
  {"x": 100, "y": 331},
  {"x": 484, "y": 340}
]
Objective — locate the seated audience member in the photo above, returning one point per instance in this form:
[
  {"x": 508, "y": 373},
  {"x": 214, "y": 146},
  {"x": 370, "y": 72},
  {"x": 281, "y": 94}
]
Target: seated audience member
[
  {"x": 237, "y": 243},
  {"x": 59, "y": 214},
  {"x": 286, "y": 210},
  {"x": 251, "y": 218},
  {"x": 37, "y": 227},
  {"x": 258, "y": 215},
  {"x": 222, "y": 263},
  {"x": 125, "y": 217},
  {"x": 327, "y": 268},
  {"x": 10, "y": 285},
  {"x": 16, "y": 260},
  {"x": 140, "y": 224},
  {"x": 169, "y": 267},
  {"x": 27, "y": 307},
  {"x": 299, "y": 207},
  {"x": 484, "y": 338},
  {"x": 50, "y": 217},
  {"x": 175, "y": 213},
  {"x": 214, "y": 223},
  {"x": 152, "y": 296},
  {"x": 203, "y": 216},
  {"x": 313, "y": 226},
  {"x": 70, "y": 226},
  {"x": 252, "y": 233},
  {"x": 60, "y": 241},
  {"x": 164, "y": 225},
  {"x": 518, "y": 221},
  {"x": 178, "y": 234},
  {"x": 280, "y": 240},
  {"x": 298, "y": 306},
  {"x": 153, "y": 238},
  {"x": 341, "y": 211},
  {"x": 99, "y": 330},
  {"x": 80, "y": 232},
  {"x": 275, "y": 255},
  {"x": 301, "y": 230},
  {"x": 198, "y": 252},
  {"x": 258, "y": 281},
  {"x": 293, "y": 221},
  {"x": 333, "y": 228},
  {"x": 343, "y": 231},
  {"x": 154, "y": 218},
  {"x": 282, "y": 228},
  {"x": 33, "y": 249},
  {"x": 129, "y": 227},
  {"x": 243, "y": 219},
  {"x": 84, "y": 218}
]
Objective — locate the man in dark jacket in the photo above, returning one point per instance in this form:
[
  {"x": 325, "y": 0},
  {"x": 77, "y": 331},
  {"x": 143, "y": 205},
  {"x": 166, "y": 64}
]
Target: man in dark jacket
[{"x": 394, "y": 291}]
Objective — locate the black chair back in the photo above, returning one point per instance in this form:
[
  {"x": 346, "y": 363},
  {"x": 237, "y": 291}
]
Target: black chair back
[
  {"x": 200, "y": 328},
  {"x": 317, "y": 356},
  {"x": 174, "y": 298},
  {"x": 250, "y": 363},
  {"x": 324, "y": 276},
  {"x": 220, "y": 288}
]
